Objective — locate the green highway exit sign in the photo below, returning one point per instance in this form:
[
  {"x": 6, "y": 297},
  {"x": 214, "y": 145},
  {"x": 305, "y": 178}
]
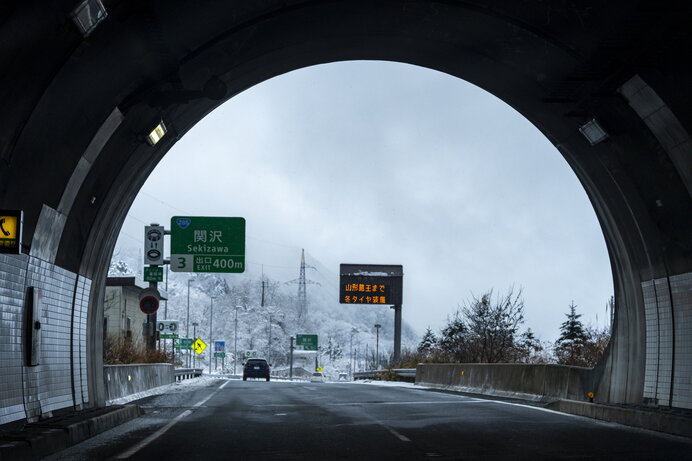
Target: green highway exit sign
[
  {"x": 207, "y": 244},
  {"x": 306, "y": 342}
]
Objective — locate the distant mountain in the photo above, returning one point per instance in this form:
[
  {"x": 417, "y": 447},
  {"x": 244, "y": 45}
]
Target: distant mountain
[{"x": 334, "y": 323}]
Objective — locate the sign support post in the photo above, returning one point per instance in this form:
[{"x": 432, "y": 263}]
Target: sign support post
[{"x": 397, "y": 331}]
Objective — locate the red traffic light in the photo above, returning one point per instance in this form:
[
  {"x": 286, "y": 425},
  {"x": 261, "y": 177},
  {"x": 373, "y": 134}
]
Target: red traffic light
[{"x": 149, "y": 301}]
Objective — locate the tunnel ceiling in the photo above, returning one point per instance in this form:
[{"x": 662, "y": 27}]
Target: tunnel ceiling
[{"x": 75, "y": 109}]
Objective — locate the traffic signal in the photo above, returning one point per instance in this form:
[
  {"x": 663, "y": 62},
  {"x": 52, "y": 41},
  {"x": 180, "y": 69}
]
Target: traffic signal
[
  {"x": 149, "y": 300},
  {"x": 153, "y": 245}
]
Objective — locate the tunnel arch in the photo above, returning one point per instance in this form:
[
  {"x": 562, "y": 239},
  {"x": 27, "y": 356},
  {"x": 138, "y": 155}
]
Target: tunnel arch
[{"x": 74, "y": 154}]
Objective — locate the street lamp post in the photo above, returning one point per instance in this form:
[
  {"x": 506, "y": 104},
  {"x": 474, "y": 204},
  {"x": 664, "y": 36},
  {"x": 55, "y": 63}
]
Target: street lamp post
[
  {"x": 269, "y": 342},
  {"x": 350, "y": 366},
  {"x": 235, "y": 339},
  {"x": 377, "y": 346}
]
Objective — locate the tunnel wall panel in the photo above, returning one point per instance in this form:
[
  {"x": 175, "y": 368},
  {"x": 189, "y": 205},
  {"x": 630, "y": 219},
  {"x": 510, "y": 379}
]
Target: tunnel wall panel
[
  {"x": 79, "y": 341},
  {"x": 668, "y": 308},
  {"x": 59, "y": 380},
  {"x": 12, "y": 287},
  {"x": 50, "y": 383},
  {"x": 681, "y": 288}
]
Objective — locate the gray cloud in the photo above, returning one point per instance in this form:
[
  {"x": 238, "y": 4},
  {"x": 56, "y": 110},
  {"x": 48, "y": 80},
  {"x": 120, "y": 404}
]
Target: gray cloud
[{"x": 393, "y": 164}]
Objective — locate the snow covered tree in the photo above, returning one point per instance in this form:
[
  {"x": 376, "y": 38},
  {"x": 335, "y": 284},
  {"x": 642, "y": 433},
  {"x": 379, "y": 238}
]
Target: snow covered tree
[
  {"x": 120, "y": 268},
  {"x": 332, "y": 350},
  {"x": 493, "y": 326},
  {"x": 453, "y": 339},
  {"x": 428, "y": 344},
  {"x": 530, "y": 349}
]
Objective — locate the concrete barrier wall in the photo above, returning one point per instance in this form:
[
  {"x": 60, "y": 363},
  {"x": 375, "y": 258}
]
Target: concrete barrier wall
[
  {"x": 124, "y": 380},
  {"x": 534, "y": 382}
]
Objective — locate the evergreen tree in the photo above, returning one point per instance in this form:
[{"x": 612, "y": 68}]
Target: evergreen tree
[
  {"x": 570, "y": 346},
  {"x": 529, "y": 348},
  {"x": 572, "y": 329},
  {"x": 428, "y": 343},
  {"x": 452, "y": 341}
]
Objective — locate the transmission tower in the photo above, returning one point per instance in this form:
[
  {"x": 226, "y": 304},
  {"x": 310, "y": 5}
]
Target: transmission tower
[{"x": 302, "y": 292}]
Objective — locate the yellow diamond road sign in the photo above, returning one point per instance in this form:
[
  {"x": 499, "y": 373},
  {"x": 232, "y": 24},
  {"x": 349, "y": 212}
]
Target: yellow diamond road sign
[{"x": 198, "y": 346}]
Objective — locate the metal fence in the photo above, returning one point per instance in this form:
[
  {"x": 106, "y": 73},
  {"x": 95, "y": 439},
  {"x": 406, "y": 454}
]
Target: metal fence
[
  {"x": 402, "y": 374},
  {"x": 186, "y": 373}
]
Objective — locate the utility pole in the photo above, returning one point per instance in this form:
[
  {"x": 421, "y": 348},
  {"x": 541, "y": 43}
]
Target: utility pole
[
  {"x": 290, "y": 370},
  {"x": 194, "y": 334},
  {"x": 211, "y": 334},
  {"x": 187, "y": 324},
  {"x": 366, "y": 357},
  {"x": 235, "y": 340},
  {"x": 377, "y": 346}
]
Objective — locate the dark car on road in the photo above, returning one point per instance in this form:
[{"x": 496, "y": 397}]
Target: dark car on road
[{"x": 256, "y": 368}]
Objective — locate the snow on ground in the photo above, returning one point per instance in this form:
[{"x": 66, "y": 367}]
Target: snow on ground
[
  {"x": 390, "y": 384},
  {"x": 179, "y": 386}
]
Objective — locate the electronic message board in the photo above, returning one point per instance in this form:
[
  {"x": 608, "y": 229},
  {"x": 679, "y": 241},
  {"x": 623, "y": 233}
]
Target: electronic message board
[{"x": 370, "y": 284}]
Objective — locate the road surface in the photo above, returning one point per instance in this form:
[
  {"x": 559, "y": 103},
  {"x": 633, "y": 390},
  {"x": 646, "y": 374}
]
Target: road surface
[{"x": 220, "y": 419}]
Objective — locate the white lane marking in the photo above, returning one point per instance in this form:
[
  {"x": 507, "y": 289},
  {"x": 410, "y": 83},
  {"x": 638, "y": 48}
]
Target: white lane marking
[
  {"x": 135, "y": 448},
  {"x": 396, "y": 434},
  {"x": 351, "y": 404},
  {"x": 391, "y": 430},
  {"x": 532, "y": 407}
]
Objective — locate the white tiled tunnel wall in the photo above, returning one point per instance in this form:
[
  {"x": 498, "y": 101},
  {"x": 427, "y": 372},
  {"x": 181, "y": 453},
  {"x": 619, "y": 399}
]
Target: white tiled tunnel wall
[
  {"x": 55, "y": 368},
  {"x": 681, "y": 287},
  {"x": 79, "y": 342},
  {"x": 12, "y": 287},
  {"x": 668, "y": 308},
  {"x": 59, "y": 381}
]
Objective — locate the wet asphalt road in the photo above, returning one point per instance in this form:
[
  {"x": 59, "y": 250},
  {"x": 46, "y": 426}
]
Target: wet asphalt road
[{"x": 218, "y": 419}]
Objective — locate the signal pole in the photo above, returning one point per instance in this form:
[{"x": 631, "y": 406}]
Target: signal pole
[
  {"x": 194, "y": 335},
  {"x": 290, "y": 370}
]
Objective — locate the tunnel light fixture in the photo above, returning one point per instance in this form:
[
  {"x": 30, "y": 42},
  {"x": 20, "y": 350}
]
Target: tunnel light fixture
[
  {"x": 593, "y": 132},
  {"x": 157, "y": 133},
  {"x": 89, "y": 14}
]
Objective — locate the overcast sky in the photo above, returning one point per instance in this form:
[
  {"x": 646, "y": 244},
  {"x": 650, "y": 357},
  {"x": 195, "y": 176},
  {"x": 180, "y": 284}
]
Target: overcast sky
[{"x": 384, "y": 163}]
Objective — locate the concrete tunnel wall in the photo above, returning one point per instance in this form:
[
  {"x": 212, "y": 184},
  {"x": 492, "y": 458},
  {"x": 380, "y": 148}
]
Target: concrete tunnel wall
[
  {"x": 519, "y": 380},
  {"x": 73, "y": 158},
  {"x": 123, "y": 380}
]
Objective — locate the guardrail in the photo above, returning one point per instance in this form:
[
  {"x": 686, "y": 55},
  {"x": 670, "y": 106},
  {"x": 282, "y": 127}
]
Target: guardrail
[
  {"x": 404, "y": 374},
  {"x": 187, "y": 373}
]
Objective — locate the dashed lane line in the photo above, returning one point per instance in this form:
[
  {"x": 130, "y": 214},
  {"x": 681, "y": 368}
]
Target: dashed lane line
[{"x": 135, "y": 448}]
